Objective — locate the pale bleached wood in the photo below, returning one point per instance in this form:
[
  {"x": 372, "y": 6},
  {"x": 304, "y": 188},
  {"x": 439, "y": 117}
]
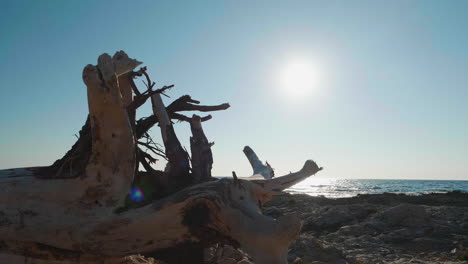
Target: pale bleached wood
[
  {"x": 257, "y": 165},
  {"x": 279, "y": 184},
  {"x": 111, "y": 167},
  {"x": 231, "y": 210}
]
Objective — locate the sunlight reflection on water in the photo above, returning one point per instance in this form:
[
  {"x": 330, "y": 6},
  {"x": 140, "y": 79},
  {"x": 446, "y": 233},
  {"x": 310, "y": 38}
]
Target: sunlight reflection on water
[{"x": 336, "y": 188}]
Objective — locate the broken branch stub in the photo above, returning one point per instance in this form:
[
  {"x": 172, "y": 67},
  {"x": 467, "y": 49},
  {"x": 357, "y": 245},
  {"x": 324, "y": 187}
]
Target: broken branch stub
[
  {"x": 202, "y": 158},
  {"x": 186, "y": 103},
  {"x": 257, "y": 165}
]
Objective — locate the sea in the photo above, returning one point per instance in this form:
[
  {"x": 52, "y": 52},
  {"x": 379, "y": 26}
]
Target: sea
[{"x": 338, "y": 188}]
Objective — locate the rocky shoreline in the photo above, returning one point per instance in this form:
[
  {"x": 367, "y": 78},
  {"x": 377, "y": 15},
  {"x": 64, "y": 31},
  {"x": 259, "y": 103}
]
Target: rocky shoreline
[
  {"x": 370, "y": 229},
  {"x": 366, "y": 229},
  {"x": 378, "y": 228}
]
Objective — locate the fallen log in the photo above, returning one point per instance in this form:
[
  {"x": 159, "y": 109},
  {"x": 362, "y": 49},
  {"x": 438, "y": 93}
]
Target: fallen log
[{"x": 104, "y": 208}]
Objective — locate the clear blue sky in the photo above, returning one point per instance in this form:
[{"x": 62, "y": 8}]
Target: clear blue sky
[{"x": 391, "y": 100}]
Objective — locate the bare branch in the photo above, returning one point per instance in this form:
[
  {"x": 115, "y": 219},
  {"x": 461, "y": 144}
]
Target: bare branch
[
  {"x": 186, "y": 103},
  {"x": 142, "y": 98},
  {"x": 142, "y": 159},
  {"x": 144, "y": 124},
  {"x": 181, "y": 117},
  {"x": 153, "y": 149},
  {"x": 131, "y": 76}
]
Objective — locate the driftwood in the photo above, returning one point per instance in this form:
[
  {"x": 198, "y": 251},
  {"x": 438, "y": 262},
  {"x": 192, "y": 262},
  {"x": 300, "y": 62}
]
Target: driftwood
[
  {"x": 264, "y": 170},
  {"x": 95, "y": 205}
]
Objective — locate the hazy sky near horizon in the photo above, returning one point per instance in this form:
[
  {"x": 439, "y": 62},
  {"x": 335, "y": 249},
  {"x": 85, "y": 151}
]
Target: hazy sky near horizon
[{"x": 388, "y": 99}]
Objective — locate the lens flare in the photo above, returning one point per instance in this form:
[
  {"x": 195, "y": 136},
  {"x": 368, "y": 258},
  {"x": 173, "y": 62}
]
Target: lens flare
[{"x": 136, "y": 194}]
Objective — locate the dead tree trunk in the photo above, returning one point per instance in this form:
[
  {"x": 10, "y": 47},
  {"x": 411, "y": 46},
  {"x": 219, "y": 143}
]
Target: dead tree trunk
[
  {"x": 202, "y": 158},
  {"x": 94, "y": 205}
]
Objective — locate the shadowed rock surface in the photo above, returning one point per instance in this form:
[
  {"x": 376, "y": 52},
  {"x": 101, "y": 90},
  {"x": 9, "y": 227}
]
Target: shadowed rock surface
[{"x": 378, "y": 228}]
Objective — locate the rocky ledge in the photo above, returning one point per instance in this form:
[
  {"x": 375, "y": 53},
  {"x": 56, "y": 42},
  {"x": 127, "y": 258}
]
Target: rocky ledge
[{"x": 378, "y": 228}]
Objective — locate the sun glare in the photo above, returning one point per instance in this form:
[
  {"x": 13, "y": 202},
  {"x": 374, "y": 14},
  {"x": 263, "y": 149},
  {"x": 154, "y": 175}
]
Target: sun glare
[{"x": 298, "y": 79}]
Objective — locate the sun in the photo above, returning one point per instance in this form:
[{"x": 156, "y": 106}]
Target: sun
[{"x": 298, "y": 79}]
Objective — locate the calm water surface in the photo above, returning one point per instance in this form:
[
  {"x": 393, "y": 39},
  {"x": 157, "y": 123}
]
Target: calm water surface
[{"x": 351, "y": 187}]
